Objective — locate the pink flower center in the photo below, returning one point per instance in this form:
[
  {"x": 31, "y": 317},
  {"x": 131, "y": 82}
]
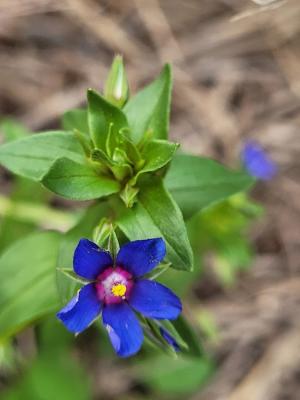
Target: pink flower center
[{"x": 114, "y": 285}]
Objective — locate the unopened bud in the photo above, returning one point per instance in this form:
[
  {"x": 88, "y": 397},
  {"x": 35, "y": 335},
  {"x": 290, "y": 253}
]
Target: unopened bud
[{"x": 116, "y": 88}]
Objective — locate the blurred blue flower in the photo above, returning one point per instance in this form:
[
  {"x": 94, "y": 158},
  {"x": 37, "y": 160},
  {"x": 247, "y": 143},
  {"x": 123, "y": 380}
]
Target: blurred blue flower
[
  {"x": 169, "y": 339},
  {"x": 257, "y": 162},
  {"x": 116, "y": 289}
]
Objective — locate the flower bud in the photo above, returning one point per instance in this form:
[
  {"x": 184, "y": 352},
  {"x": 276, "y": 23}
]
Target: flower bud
[{"x": 116, "y": 88}]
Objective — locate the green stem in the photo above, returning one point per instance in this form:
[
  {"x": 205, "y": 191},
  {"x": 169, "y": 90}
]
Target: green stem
[{"x": 36, "y": 213}]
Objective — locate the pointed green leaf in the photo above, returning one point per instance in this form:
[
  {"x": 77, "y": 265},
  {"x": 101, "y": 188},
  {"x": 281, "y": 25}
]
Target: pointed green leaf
[
  {"x": 169, "y": 326},
  {"x": 85, "y": 142},
  {"x": 120, "y": 170},
  {"x": 149, "y": 109},
  {"x": 187, "y": 333},
  {"x": 157, "y": 215},
  {"x": 33, "y": 156},
  {"x": 101, "y": 114},
  {"x": 12, "y": 130},
  {"x": 157, "y": 154},
  {"x": 27, "y": 286},
  {"x": 53, "y": 374},
  {"x": 76, "y": 119},
  {"x": 198, "y": 182},
  {"x": 175, "y": 377},
  {"x": 78, "y": 181}
]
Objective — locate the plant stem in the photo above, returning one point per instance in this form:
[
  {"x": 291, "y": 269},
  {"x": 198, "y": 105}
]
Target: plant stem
[{"x": 38, "y": 214}]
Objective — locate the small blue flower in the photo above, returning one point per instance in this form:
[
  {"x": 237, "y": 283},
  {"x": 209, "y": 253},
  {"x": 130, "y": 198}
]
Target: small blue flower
[
  {"x": 116, "y": 289},
  {"x": 257, "y": 162},
  {"x": 169, "y": 339}
]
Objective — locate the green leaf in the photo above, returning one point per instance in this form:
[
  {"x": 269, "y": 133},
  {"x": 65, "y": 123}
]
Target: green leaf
[
  {"x": 221, "y": 230},
  {"x": 33, "y": 156},
  {"x": 181, "y": 282},
  {"x": 187, "y": 333},
  {"x": 184, "y": 375},
  {"x": 53, "y": 337},
  {"x": 85, "y": 142},
  {"x": 169, "y": 326},
  {"x": 77, "y": 181},
  {"x": 101, "y": 114},
  {"x": 157, "y": 215},
  {"x": 157, "y": 154},
  {"x": 27, "y": 287},
  {"x": 76, "y": 119},
  {"x": 12, "y": 130},
  {"x": 51, "y": 376},
  {"x": 119, "y": 170},
  {"x": 149, "y": 109},
  {"x": 198, "y": 182}
]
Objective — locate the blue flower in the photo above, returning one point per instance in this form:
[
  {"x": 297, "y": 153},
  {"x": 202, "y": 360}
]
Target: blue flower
[
  {"x": 118, "y": 289},
  {"x": 257, "y": 162}
]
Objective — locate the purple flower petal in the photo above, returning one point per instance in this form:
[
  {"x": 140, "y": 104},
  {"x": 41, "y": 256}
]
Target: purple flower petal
[
  {"x": 141, "y": 256},
  {"x": 124, "y": 329},
  {"x": 154, "y": 300},
  {"x": 257, "y": 162},
  {"x": 81, "y": 311},
  {"x": 89, "y": 260}
]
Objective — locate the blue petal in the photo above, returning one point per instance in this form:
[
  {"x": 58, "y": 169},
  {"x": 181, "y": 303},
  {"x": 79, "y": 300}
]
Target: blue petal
[
  {"x": 169, "y": 339},
  {"x": 154, "y": 300},
  {"x": 124, "y": 329},
  {"x": 81, "y": 311},
  {"x": 257, "y": 162},
  {"x": 89, "y": 260},
  {"x": 141, "y": 256}
]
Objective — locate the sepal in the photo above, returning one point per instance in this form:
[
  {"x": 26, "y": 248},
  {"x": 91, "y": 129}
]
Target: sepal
[
  {"x": 71, "y": 274},
  {"x": 105, "y": 237},
  {"x": 129, "y": 194}
]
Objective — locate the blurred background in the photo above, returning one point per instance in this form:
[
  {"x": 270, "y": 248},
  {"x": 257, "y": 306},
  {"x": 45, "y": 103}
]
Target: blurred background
[{"x": 236, "y": 76}]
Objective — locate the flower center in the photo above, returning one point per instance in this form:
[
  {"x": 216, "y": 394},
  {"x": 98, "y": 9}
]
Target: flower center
[
  {"x": 119, "y": 290},
  {"x": 114, "y": 285}
]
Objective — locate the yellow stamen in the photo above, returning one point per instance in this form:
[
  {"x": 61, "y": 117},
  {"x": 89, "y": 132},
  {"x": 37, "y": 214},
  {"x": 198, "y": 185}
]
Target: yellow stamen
[{"x": 118, "y": 290}]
